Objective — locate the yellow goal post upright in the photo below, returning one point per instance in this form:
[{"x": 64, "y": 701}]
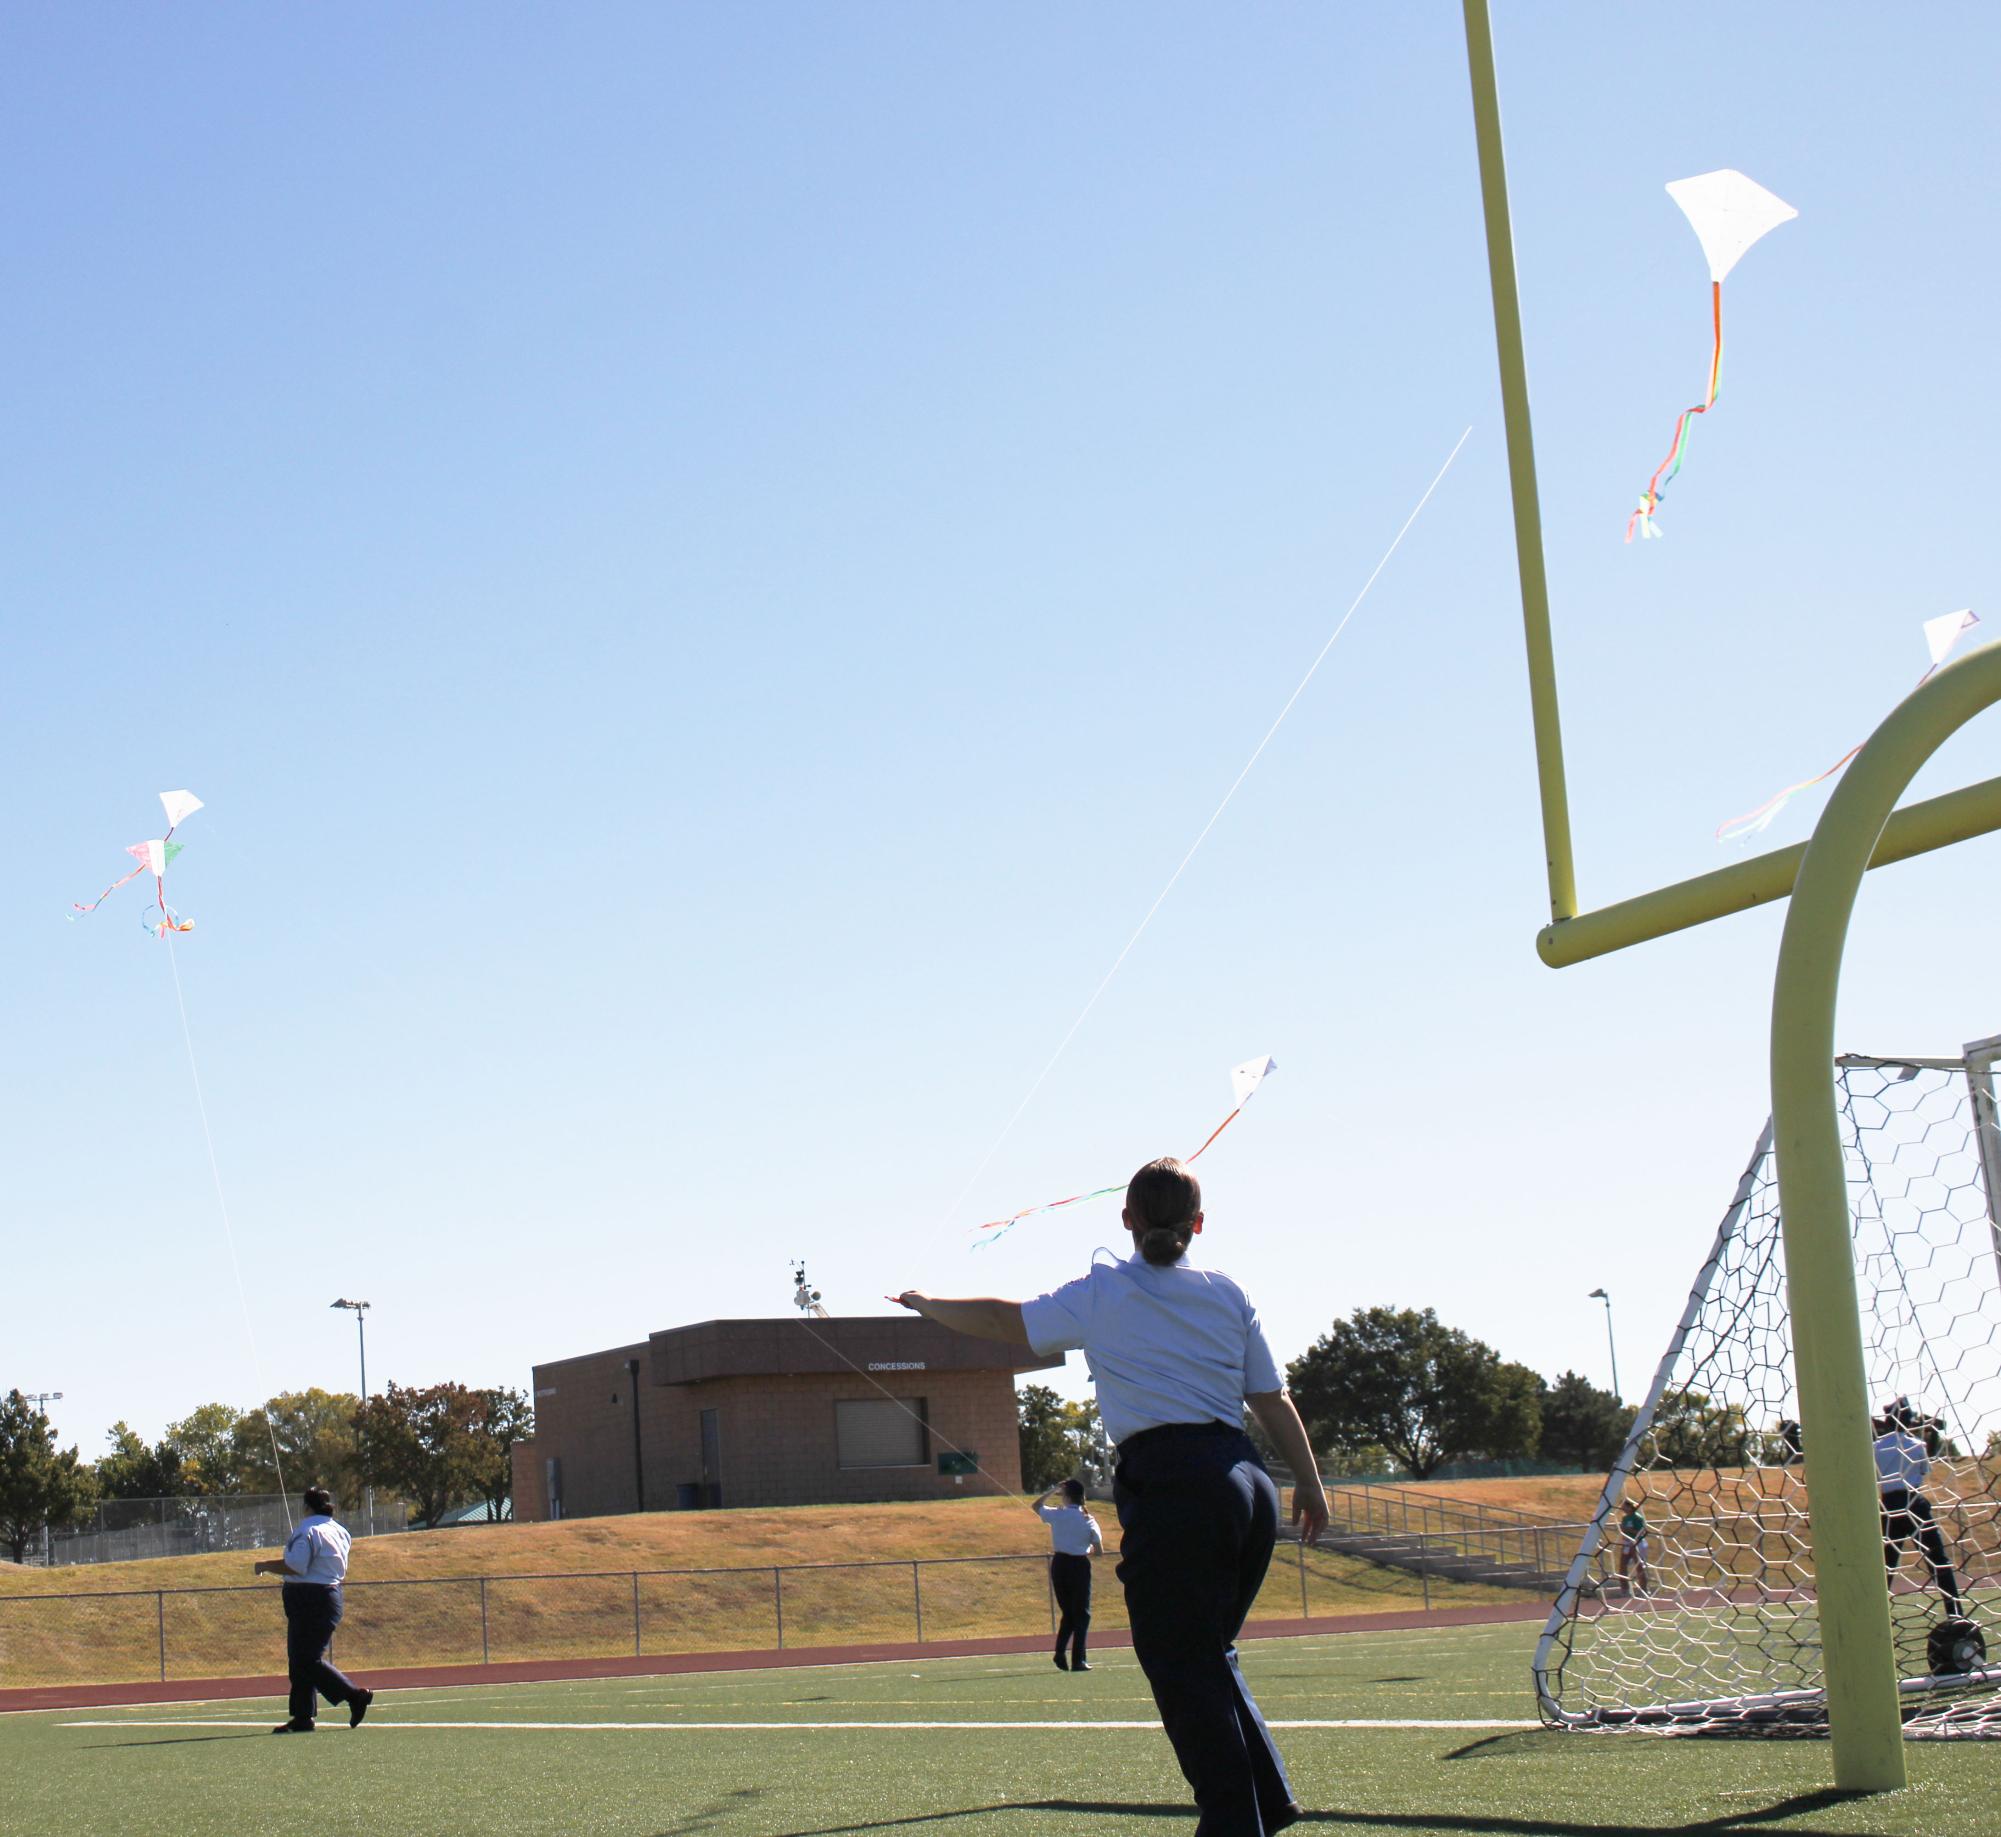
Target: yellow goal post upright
[{"x": 1860, "y": 828}]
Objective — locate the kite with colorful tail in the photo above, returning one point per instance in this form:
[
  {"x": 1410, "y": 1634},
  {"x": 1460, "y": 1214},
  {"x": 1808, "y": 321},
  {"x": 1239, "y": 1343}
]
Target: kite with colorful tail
[
  {"x": 1729, "y": 213},
  {"x": 1244, "y": 1081},
  {"x": 1941, "y": 634},
  {"x": 154, "y": 857}
]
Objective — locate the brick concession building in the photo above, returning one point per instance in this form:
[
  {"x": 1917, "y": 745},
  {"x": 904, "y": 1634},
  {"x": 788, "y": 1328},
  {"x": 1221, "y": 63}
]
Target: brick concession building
[{"x": 771, "y": 1412}]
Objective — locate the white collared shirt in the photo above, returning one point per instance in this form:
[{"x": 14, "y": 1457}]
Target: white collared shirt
[
  {"x": 1165, "y": 1343},
  {"x": 1072, "y": 1530},
  {"x": 1901, "y": 1460},
  {"x": 317, "y": 1550}
]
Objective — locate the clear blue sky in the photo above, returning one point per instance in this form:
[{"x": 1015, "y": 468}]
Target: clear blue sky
[{"x": 708, "y": 562}]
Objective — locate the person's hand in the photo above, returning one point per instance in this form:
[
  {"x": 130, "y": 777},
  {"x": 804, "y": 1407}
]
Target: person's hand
[
  {"x": 1309, "y": 1511},
  {"x": 910, "y": 1299}
]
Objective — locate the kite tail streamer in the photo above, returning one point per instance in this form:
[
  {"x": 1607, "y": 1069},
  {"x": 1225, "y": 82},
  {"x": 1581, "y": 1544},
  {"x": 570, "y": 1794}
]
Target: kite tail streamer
[
  {"x": 1000, "y": 1227},
  {"x": 1752, "y": 821},
  {"x": 228, "y": 1232},
  {"x": 77, "y": 906},
  {"x": 1642, "y": 518}
]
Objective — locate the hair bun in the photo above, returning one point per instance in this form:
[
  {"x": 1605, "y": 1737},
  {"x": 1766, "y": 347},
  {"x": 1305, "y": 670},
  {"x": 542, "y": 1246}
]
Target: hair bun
[{"x": 1164, "y": 1243}]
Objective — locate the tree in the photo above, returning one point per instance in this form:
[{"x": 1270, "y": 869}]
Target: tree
[
  {"x": 1583, "y": 1425},
  {"x": 508, "y": 1418},
  {"x": 40, "y": 1486},
  {"x": 315, "y": 1433},
  {"x": 1427, "y": 1393},
  {"x": 441, "y": 1446},
  {"x": 134, "y": 1471},
  {"x": 207, "y": 1446},
  {"x": 1690, "y": 1431},
  {"x": 1047, "y": 1451},
  {"x": 1091, "y": 1452}
]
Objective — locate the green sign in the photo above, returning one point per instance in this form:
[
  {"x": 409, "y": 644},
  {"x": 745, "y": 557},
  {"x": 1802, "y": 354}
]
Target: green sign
[{"x": 958, "y": 1465}]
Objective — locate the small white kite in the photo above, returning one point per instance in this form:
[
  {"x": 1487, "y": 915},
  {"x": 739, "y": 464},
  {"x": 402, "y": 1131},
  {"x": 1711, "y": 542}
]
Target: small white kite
[{"x": 1729, "y": 213}]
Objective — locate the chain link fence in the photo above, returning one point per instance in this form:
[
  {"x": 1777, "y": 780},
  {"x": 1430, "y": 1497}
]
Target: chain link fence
[
  {"x": 127, "y": 1530},
  {"x": 164, "y": 1635}
]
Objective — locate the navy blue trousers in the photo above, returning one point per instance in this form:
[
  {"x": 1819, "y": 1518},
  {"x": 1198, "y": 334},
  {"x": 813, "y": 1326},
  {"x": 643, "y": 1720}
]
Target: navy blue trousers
[
  {"x": 311, "y": 1614},
  {"x": 1200, "y": 1516},
  {"x": 1070, "y": 1582}
]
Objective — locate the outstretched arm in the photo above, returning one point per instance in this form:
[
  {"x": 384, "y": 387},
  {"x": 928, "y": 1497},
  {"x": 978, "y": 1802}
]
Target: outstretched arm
[
  {"x": 983, "y": 1319},
  {"x": 1280, "y": 1420}
]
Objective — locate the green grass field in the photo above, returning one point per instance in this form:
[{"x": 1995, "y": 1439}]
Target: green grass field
[{"x": 627, "y": 1757}]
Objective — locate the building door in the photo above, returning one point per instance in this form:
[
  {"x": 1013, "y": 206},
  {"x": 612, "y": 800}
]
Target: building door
[{"x": 712, "y": 1458}]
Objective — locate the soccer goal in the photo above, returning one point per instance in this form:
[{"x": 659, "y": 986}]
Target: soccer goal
[{"x": 1691, "y": 1603}]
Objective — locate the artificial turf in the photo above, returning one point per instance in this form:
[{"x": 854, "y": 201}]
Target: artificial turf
[{"x": 199, "y": 1771}]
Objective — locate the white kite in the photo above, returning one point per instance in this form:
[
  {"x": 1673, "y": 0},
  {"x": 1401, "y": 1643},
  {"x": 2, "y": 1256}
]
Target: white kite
[
  {"x": 1728, "y": 213},
  {"x": 1941, "y": 634},
  {"x": 1244, "y": 1081},
  {"x": 153, "y": 858}
]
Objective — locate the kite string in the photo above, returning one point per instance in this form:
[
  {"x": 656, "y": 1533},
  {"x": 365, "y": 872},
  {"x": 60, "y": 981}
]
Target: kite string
[
  {"x": 1161, "y": 897},
  {"x": 228, "y": 1231},
  {"x": 930, "y": 1432}
]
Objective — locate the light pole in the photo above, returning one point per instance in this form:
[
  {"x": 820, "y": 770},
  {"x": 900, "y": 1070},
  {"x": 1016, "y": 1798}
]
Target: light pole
[
  {"x": 1598, "y": 1294},
  {"x": 41, "y": 1400},
  {"x": 360, "y": 1311}
]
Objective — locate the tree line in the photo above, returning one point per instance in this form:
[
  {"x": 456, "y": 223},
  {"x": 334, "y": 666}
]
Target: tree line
[
  {"x": 1395, "y": 1390},
  {"x": 436, "y": 1447}
]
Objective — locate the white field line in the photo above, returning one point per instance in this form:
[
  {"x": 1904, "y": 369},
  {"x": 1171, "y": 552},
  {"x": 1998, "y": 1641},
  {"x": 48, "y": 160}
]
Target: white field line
[{"x": 210, "y": 1722}]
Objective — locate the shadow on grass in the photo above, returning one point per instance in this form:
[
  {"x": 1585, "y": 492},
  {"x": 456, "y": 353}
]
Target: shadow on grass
[
  {"x": 1421, "y": 1823},
  {"x": 710, "y": 1816},
  {"x": 175, "y": 1741}
]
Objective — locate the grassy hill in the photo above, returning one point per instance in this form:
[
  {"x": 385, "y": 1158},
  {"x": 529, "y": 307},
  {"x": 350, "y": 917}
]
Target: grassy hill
[
  {"x": 570, "y": 1590},
  {"x": 649, "y": 1540}
]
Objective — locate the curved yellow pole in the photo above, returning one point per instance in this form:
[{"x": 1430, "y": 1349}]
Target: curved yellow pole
[{"x": 1813, "y": 1198}]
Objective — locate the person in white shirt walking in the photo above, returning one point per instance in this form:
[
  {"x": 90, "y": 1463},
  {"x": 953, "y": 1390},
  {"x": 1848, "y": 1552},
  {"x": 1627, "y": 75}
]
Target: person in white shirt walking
[
  {"x": 314, "y": 1567},
  {"x": 1903, "y": 1466},
  {"x": 1176, "y": 1353},
  {"x": 1073, "y": 1540}
]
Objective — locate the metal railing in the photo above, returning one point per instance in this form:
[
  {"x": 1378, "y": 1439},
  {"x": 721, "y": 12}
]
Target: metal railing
[
  {"x": 161, "y": 1635},
  {"x": 131, "y": 1530}
]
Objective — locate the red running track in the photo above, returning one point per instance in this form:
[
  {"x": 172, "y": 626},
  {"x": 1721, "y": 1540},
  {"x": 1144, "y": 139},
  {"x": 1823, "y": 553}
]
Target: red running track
[{"x": 673, "y": 1664}]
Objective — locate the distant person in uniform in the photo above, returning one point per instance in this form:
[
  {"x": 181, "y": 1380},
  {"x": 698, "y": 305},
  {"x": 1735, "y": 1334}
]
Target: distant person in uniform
[
  {"x": 1903, "y": 1466},
  {"x": 1633, "y": 1545},
  {"x": 314, "y": 1566},
  {"x": 1073, "y": 1538},
  {"x": 1176, "y": 1353}
]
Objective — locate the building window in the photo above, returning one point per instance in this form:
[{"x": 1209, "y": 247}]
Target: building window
[{"x": 868, "y": 1433}]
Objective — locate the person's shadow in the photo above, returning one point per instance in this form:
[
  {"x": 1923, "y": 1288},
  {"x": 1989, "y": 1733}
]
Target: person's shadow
[{"x": 1472, "y": 1824}]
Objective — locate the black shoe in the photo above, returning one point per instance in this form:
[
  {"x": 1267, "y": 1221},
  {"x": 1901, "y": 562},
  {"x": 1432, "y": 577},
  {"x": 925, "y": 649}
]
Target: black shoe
[
  {"x": 1079, "y": 1665},
  {"x": 1062, "y": 1663},
  {"x": 357, "y": 1707},
  {"x": 294, "y": 1728}
]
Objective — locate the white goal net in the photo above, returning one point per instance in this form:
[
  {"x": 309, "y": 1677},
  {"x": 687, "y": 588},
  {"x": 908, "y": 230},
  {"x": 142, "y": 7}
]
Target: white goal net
[{"x": 1690, "y": 1604}]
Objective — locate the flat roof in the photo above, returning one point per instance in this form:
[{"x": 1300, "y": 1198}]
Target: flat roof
[{"x": 795, "y": 1346}]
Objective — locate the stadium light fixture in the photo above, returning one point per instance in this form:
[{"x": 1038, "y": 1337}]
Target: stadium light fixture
[
  {"x": 360, "y": 1311},
  {"x": 1599, "y": 1294}
]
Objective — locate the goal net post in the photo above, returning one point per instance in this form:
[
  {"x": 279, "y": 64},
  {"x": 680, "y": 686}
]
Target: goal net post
[{"x": 1691, "y": 1603}]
